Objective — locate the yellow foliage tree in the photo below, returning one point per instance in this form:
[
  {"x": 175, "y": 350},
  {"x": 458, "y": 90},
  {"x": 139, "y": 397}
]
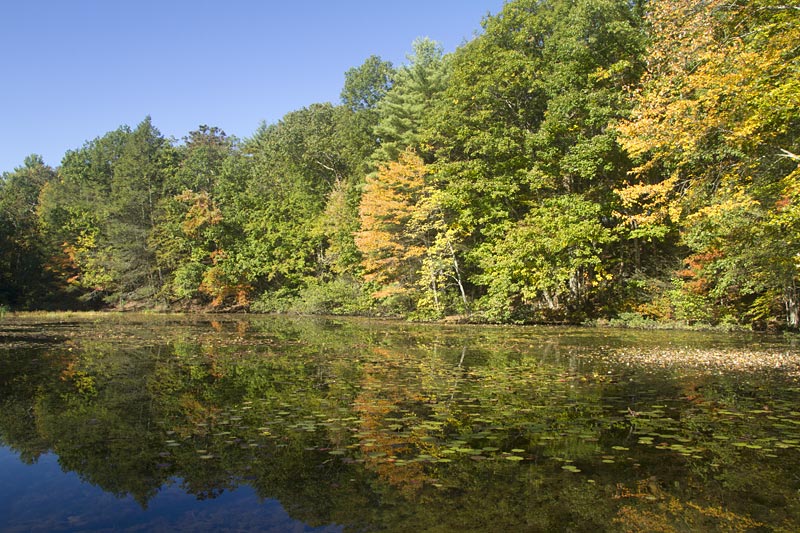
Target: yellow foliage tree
[
  {"x": 392, "y": 251},
  {"x": 714, "y": 135},
  {"x": 721, "y": 87}
]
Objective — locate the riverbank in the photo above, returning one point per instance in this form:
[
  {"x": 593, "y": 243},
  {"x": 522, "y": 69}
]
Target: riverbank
[{"x": 631, "y": 321}]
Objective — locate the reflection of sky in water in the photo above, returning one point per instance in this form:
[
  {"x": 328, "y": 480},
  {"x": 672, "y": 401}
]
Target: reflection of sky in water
[{"x": 40, "y": 497}]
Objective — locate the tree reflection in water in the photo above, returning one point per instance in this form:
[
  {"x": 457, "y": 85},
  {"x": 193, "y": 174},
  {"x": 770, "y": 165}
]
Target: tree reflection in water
[{"x": 378, "y": 426}]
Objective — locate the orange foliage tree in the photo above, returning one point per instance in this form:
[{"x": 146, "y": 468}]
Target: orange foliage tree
[{"x": 392, "y": 250}]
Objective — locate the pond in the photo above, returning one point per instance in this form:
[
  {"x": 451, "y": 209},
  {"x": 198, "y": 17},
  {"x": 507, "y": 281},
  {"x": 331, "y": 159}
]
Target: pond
[{"x": 260, "y": 423}]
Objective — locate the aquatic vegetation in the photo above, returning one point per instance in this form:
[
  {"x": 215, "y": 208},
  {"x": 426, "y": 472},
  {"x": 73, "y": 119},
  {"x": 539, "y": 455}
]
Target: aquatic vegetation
[{"x": 510, "y": 426}]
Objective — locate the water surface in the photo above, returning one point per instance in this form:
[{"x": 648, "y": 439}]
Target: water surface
[{"x": 141, "y": 423}]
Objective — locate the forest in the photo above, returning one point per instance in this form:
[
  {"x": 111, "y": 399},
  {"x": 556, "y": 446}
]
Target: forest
[{"x": 578, "y": 160}]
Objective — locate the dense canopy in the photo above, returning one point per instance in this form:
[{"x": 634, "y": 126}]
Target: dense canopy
[{"x": 578, "y": 159}]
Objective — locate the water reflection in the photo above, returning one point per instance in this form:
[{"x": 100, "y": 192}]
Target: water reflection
[
  {"x": 192, "y": 423},
  {"x": 42, "y": 497}
]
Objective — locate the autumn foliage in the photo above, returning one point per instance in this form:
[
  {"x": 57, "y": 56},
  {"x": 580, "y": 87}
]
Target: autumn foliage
[
  {"x": 392, "y": 253},
  {"x": 576, "y": 160}
]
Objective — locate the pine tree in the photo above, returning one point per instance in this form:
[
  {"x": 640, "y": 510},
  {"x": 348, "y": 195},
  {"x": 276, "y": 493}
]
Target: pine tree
[{"x": 408, "y": 104}]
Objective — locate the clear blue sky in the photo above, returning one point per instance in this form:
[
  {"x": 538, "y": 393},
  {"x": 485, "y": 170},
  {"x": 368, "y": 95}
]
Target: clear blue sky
[{"x": 73, "y": 70}]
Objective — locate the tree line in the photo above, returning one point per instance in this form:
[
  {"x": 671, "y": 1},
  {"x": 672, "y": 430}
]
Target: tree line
[{"x": 578, "y": 159}]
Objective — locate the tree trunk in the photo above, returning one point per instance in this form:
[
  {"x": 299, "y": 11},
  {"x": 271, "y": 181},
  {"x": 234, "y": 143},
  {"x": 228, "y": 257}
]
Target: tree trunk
[
  {"x": 552, "y": 300},
  {"x": 458, "y": 277},
  {"x": 435, "y": 290},
  {"x": 790, "y": 302},
  {"x": 577, "y": 287}
]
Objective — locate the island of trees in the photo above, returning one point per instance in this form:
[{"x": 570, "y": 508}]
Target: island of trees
[{"x": 579, "y": 159}]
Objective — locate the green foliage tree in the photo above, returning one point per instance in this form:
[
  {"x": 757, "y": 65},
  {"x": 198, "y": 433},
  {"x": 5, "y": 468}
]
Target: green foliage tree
[
  {"x": 406, "y": 107},
  {"x": 366, "y": 85},
  {"x": 524, "y": 136},
  {"x": 549, "y": 263},
  {"x": 74, "y": 212},
  {"x": 189, "y": 227},
  {"x": 24, "y": 280},
  {"x": 102, "y": 210},
  {"x": 137, "y": 185},
  {"x": 297, "y": 167}
]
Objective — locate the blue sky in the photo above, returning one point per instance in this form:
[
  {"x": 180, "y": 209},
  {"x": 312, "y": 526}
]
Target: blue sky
[{"x": 76, "y": 69}]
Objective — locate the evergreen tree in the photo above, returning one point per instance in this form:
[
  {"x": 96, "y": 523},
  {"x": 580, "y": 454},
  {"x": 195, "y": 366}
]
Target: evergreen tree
[
  {"x": 404, "y": 109},
  {"x": 137, "y": 185}
]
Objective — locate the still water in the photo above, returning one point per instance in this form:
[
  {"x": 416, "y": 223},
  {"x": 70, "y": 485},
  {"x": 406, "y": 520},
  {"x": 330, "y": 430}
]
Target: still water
[{"x": 238, "y": 423}]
